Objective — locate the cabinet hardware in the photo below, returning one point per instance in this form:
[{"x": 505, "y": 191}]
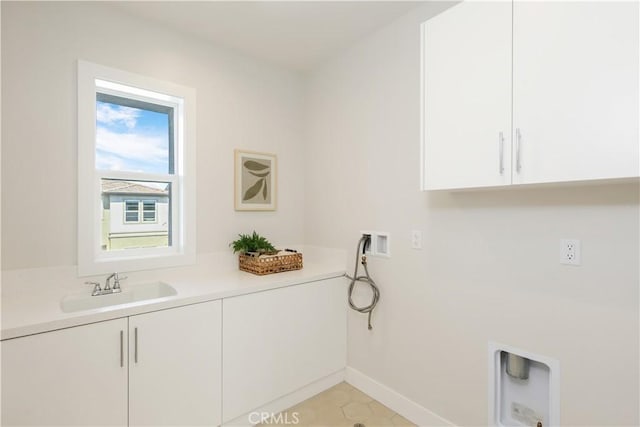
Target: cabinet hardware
[
  {"x": 518, "y": 149},
  {"x": 121, "y": 348},
  {"x": 501, "y": 139},
  {"x": 135, "y": 345}
]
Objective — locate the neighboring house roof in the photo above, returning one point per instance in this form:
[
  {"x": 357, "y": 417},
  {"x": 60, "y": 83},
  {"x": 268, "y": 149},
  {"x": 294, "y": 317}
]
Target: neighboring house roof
[{"x": 126, "y": 187}]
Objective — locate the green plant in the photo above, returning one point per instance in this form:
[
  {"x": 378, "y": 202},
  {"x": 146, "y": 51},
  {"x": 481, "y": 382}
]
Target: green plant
[{"x": 252, "y": 243}]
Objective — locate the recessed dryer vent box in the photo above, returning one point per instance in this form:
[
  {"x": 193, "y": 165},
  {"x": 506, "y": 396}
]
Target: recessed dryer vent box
[{"x": 523, "y": 388}]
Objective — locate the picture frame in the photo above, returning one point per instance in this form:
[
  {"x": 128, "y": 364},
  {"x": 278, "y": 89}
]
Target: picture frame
[{"x": 255, "y": 183}]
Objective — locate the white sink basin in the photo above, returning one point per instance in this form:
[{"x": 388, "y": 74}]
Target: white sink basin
[{"x": 137, "y": 293}]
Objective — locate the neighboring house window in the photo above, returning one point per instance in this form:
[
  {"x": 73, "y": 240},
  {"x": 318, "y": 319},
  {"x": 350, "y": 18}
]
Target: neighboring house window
[
  {"x": 133, "y": 208},
  {"x": 131, "y": 211},
  {"x": 136, "y": 171},
  {"x": 148, "y": 211}
]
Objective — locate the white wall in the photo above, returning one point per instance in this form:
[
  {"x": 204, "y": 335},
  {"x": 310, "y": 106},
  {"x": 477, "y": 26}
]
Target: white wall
[
  {"x": 489, "y": 268},
  {"x": 241, "y": 103}
]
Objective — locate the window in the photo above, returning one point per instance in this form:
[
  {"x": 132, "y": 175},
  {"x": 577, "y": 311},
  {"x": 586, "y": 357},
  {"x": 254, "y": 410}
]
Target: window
[
  {"x": 136, "y": 171},
  {"x": 148, "y": 211},
  {"x": 131, "y": 211},
  {"x": 133, "y": 208}
]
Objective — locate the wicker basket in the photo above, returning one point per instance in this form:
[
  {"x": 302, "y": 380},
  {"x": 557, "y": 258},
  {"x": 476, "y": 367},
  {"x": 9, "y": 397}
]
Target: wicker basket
[{"x": 269, "y": 264}]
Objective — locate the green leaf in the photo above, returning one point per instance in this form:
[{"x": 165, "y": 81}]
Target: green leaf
[
  {"x": 255, "y": 166},
  {"x": 252, "y": 243},
  {"x": 253, "y": 190},
  {"x": 261, "y": 175},
  {"x": 264, "y": 191}
]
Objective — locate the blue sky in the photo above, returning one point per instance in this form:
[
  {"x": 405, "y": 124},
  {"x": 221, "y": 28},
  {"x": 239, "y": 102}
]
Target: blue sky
[{"x": 131, "y": 139}]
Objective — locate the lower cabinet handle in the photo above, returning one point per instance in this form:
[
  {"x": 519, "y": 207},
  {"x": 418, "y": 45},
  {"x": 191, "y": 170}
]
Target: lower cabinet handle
[
  {"x": 501, "y": 142},
  {"x": 518, "y": 150},
  {"x": 121, "y": 348},
  {"x": 135, "y": 345}
]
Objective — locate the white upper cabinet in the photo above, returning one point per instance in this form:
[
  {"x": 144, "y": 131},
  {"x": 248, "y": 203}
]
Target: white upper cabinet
[
  {"x": 575, "y": 90},
  {"x": 467, "y": 103},
  {"x": 566, "y": 102}
]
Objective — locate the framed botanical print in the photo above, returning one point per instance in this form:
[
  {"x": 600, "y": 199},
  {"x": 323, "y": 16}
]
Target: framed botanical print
[{"x": 255, "y": 181}]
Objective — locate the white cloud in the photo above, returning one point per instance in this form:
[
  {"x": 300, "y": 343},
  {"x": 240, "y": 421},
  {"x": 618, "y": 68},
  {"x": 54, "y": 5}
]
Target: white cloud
[
  {"x": 131, "y": 151},
  {"x": 109, "y": 115},
  {"x": 108, "y": 162}
]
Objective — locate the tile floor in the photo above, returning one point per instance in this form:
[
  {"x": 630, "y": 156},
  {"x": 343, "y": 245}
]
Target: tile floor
[{"x": 342, "y": 406}]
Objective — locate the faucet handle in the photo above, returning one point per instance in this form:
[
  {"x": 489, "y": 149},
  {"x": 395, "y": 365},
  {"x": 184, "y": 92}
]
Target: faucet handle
[
  {"x": 96, "y": 286},
  {"x": 117, "y": 279}
]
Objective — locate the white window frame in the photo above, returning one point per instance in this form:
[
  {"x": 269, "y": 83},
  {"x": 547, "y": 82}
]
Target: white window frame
[{"x": 92, "y": 260}]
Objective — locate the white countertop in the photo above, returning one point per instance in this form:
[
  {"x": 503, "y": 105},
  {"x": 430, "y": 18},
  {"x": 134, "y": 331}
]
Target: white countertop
[{"x": 31, "y": 298}]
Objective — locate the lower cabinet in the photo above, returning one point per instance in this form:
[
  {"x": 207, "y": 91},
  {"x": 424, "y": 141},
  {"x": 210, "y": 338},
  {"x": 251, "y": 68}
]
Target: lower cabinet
[
  {"x": 166, "y": 367},
  {"x": 160, "y": 368},
  {"x": 276, "y": 342},
  {"x": 70, "y": 377}
]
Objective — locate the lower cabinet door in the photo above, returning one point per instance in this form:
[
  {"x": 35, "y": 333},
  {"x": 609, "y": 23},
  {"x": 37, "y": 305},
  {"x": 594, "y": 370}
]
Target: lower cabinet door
[
  {"x": 174, "y": 366},
  {"x": 70, "y": 377},
  {"x": 278, "y": 341}
]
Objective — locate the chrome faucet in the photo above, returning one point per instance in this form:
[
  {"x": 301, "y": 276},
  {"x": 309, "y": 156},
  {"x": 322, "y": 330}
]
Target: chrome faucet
[
  {"x": 97, "y": 290},
  {"x": 116, "y": 283}
]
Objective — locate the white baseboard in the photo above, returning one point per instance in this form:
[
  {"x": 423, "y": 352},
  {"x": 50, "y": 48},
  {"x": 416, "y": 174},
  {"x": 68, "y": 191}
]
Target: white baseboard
[
  {"x": 415, "y": 413},
  {"x": 289, "y": 400}
]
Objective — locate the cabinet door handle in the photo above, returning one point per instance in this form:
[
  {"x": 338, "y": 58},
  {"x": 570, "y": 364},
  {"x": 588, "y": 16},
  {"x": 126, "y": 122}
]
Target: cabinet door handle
[
  {"x": 135, "y": 345},
  {"x": 121, "y": 348},
  {"x": 518, "y": 150},
  {"x": 501, "y": 141}
]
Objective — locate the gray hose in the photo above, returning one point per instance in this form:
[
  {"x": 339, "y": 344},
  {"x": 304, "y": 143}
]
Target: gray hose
[{"x": 366, "y": 279}]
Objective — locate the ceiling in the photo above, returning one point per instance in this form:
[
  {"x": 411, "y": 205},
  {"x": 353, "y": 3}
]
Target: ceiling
[{"x": 294, "y": 34}]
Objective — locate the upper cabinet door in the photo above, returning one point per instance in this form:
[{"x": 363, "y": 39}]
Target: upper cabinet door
[
  {"x": 467, "y": 97},
  {"x": 575, "y": 91}
]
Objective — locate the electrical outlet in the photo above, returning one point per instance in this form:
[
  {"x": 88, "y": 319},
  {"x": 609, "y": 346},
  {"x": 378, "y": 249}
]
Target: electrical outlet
[
  {"x": 416, "y": 239},
  {"x": 570, "y": 251}
]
